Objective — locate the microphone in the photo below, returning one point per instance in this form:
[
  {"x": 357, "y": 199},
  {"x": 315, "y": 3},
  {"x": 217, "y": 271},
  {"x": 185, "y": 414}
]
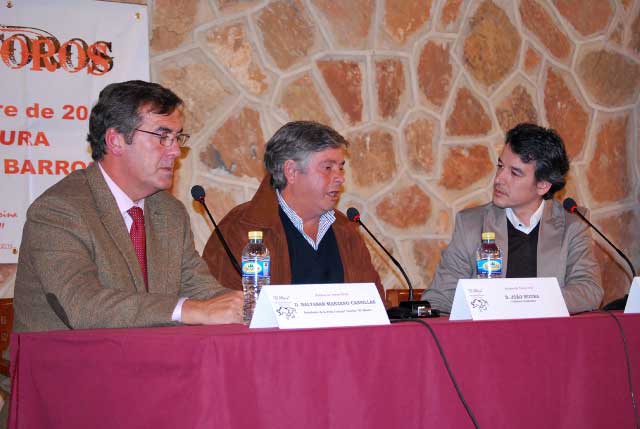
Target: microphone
[
  {"x": 570, "y": 205},
  {"x": 198, "y": 194},
  {"x": 407, "y": 309}
]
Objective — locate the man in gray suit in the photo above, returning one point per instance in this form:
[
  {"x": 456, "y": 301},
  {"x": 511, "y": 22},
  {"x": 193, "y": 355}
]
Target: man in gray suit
[
  {"x": 106, "y": 246},
  {"x": 536, "y": 236}
]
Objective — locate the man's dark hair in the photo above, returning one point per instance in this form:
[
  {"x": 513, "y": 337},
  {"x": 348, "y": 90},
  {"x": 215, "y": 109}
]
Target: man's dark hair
[
  {"x": 121, "y": 105},
  {"x": 297, "y": 141},
  {"x": 544, "y": 146}
]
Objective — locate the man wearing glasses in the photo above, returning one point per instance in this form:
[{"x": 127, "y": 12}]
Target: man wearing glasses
[{"x": 106, "y": 246}]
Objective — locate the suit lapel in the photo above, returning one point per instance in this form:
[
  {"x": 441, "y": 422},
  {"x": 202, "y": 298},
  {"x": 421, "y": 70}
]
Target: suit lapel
[
  {"x": 550, "y": 241},
  {"x": 265, "y": 216},
  {"x": 113, "y": 222},
  {"x": 339, "y": 229},
  {"x": 496, "y": 221},
  {"x": 157, "y": 226}
]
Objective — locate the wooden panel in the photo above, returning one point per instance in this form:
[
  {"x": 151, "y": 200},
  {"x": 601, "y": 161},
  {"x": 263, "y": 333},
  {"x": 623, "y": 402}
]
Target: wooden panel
[
  {"x": 395, "y": 296},
  {"x": 6, "y": 325}
]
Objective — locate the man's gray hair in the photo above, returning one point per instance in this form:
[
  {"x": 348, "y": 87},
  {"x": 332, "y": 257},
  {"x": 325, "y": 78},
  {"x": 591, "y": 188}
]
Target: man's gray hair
[{"x": 297, "y": 141}]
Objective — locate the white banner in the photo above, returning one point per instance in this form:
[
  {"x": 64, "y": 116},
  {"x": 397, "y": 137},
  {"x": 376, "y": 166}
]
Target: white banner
[{"x": 55, "y": 57}]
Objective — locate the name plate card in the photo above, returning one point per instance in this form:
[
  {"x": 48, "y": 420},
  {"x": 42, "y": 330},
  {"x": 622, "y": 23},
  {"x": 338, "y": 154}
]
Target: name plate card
[
  {"x": 494, "y": 299},
  {"x": 633, "y": 301},
  {"x": 319, "y": 306}
]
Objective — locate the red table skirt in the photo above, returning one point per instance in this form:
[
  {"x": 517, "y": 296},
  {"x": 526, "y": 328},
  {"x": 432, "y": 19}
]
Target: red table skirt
[{"x": 556, "y": 373}]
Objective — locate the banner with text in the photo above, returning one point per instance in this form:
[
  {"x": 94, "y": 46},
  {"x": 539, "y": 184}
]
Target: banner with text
[{"x": 55, "y": 57}]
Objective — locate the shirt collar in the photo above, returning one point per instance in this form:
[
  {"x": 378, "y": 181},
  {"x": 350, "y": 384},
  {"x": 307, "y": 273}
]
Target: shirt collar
[
  {"x": 533, "y": 221},
  {"x": 122, "y": 199}
]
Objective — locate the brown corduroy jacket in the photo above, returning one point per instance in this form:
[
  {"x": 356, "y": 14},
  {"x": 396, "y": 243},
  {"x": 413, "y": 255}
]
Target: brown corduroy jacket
[{"x": 261, "y": 214}]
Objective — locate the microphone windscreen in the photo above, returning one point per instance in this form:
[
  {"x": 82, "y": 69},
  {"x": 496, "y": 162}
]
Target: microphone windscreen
[
  {"x": 569, "y": 204},
  {"x": 197, "y": 192},
  {"x": 353, "y": 214}
]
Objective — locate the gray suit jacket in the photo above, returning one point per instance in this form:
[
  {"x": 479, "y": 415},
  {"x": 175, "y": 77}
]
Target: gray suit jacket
[
  {"x": 76, "y": 248},
  {"x": 565, "y": 251}
]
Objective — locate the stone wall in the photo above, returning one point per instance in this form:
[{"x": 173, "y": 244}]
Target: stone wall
[{"x": 424, "y": 90}]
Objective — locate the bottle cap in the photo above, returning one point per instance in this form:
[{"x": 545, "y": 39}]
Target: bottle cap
[
  {"x": 255, "y": 235},
  {"x": 488, "y": 235}
]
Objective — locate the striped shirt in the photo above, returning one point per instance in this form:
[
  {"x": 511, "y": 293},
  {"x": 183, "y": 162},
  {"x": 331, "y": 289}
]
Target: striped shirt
[{"x": 326, "y": 220}]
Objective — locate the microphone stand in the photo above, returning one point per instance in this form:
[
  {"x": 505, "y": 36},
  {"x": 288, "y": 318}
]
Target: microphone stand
[
  {"x": 234, "y": 262},
  {"x": 620, "y": 303},
  {"x": 618, "y": 251},
  {"x": 407, "y": 309}
]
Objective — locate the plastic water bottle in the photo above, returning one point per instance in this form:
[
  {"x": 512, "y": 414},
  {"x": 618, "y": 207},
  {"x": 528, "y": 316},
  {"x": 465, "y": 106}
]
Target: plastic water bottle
[
  {"x": 256, "y": 264},
  {"x": 488, "y": 257}
]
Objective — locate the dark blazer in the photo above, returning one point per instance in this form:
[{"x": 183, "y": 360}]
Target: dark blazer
[
  {"x": 76, "y": 249},
  {"x": 565, "y": 251},
  {"x": 261, "y": 214}
]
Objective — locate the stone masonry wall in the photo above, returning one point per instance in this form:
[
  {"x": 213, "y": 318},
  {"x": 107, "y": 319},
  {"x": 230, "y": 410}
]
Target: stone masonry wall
[{"x": 424, "y": 90}]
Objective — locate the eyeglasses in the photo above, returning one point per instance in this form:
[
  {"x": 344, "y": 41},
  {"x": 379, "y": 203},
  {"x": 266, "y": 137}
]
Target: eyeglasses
[{"x": 167, "y": 139}]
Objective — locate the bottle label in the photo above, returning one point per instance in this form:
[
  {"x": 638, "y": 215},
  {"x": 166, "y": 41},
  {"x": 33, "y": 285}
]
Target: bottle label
[
  {"x": 255, "y": 268},
  {"x": 489, "y": 267}
]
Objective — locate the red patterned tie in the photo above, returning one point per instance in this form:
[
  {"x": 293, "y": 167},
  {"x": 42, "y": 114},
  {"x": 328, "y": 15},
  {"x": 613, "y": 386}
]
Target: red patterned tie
[{"x": 138, "y": 240}]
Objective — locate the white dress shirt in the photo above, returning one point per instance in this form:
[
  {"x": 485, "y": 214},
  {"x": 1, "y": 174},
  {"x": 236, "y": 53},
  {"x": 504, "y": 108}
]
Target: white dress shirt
[{"x": 533, "y": 221}]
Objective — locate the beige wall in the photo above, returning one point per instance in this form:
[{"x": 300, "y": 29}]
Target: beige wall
[{"x": 424, "y": 90}]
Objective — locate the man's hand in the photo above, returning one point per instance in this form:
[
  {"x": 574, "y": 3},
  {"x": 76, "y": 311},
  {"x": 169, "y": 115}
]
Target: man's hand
[{"x": 225, "y": 308}]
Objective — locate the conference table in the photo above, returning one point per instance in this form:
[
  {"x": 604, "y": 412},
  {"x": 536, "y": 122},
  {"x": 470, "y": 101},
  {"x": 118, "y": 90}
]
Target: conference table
[{"x": 530, "y": 373}]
